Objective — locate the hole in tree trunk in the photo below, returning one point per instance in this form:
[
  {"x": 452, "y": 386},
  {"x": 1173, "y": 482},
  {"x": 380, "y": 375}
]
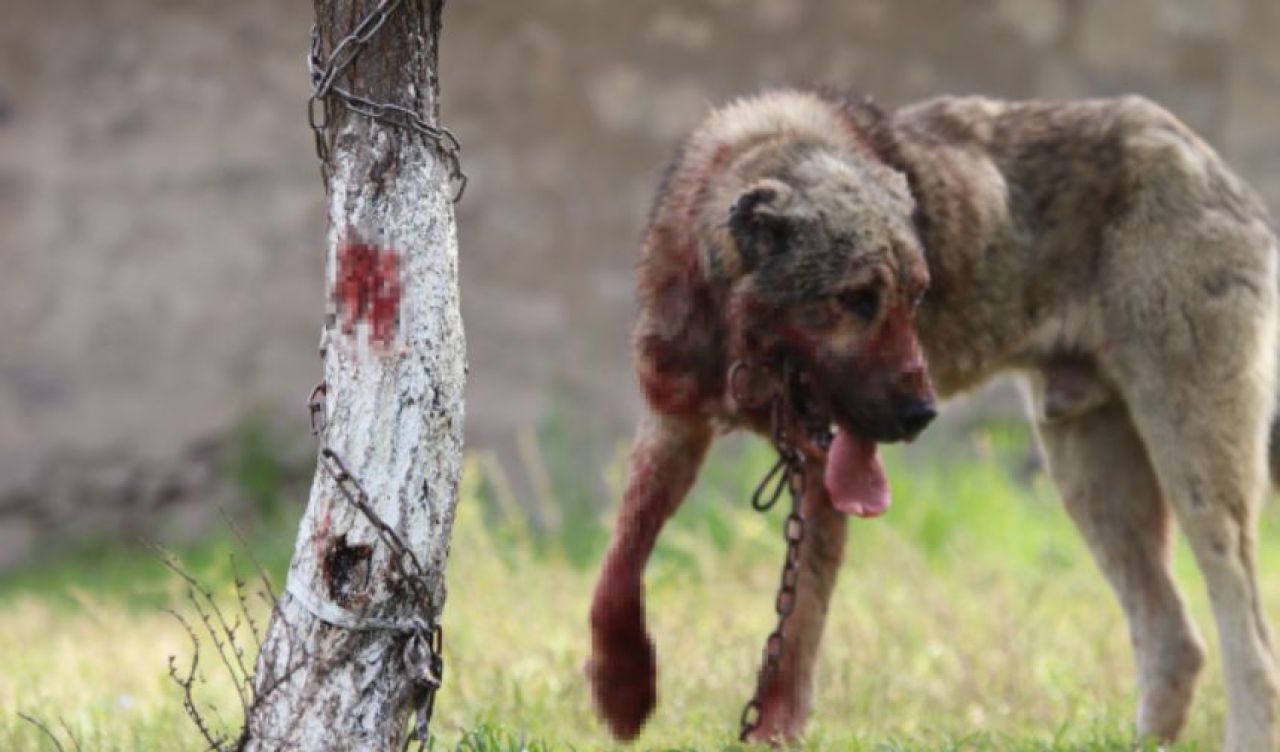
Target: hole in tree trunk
[{"x": 346, "y": 572}]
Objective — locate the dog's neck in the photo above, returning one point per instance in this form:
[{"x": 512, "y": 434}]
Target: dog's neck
[
  {"x": 961, "y": 199},
  {"x": 962, "y": 212}
]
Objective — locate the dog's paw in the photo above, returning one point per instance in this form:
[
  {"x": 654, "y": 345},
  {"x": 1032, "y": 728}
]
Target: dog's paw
[
  {"x": 776, "y": 733},
  {"x": 782, "y": 720},
  {"x": 623, "y": 678}
]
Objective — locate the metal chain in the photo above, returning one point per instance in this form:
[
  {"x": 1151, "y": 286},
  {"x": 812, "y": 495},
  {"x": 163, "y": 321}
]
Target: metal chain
[
  {"x": 424, "y": 650},
  {"x": 787, "y": 474},
  {"x": 424, "y": 657},
  {"x": 325, "y": 90}
]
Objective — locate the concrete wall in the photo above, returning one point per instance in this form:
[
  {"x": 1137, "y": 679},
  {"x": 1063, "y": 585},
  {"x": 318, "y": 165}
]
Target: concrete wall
[{"x": 161, "y": 218}]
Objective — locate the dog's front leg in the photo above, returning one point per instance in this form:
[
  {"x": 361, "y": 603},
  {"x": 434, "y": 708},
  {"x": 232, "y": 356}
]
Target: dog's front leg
[
  {"x": 789, "y": 694},
  {"x": 622, "y": 669}
]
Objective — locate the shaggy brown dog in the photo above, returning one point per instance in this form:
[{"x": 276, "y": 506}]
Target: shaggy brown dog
[{"x": 1098, "y": 248}]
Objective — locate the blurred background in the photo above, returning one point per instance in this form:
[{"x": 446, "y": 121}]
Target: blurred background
[
  {"x": 161, "y": 219},
  {"x": 161, "y": 266}
]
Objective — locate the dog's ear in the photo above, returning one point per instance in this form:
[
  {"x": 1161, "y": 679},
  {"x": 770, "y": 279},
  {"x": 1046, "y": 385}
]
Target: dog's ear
[{"x": 760, "y": 222}]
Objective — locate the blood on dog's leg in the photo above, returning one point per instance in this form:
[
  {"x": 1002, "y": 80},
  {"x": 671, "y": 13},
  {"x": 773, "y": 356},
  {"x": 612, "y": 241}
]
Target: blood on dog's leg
[
  {"x": 789, "y": 696},
  {"x": 622, "y": 668},
  {"x": 1101, "y": 469}
]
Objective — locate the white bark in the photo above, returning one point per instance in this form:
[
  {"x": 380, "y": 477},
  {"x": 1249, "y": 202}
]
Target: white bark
[{"x": 395, "y": 418}]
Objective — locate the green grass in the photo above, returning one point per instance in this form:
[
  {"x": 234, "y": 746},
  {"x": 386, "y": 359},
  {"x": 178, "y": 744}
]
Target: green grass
[{"x": 969, "y": 618}]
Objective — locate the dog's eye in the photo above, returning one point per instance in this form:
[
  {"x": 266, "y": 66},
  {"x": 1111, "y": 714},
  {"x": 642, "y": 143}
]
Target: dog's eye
[
  {"x": 862, "y": 303},
  {"x": 816, "y": 316}
]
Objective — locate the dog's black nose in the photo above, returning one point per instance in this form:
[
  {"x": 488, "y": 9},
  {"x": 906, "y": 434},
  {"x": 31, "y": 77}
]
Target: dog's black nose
[{"x": 914, "y": 415}]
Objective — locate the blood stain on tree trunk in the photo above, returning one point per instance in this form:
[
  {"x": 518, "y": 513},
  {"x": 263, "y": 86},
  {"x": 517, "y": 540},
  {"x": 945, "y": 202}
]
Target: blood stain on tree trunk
[{"x": 367, "y": 290}]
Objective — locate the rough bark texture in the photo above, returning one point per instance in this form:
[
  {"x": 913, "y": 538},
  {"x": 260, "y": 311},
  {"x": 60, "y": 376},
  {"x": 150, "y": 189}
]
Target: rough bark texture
[{"x": 394, "y": 417}]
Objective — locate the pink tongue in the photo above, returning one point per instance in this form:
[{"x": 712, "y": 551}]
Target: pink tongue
[{"x": 854, "y": 476}]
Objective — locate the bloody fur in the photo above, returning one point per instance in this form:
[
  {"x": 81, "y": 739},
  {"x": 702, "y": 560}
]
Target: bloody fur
[
  {"x": 699, "y": 315},
  {"x": 1098, "y": 250}
]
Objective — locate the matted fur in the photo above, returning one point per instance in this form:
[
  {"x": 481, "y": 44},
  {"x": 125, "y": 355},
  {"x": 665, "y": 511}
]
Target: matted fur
[{"x": 1098, "y": 249}]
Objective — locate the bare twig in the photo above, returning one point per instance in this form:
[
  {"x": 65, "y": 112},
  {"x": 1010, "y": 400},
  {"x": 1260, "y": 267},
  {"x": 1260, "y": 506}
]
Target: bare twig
[
  {"x": 223, "y": 629},
  {"x": 244, "y": 543},
  {"x": 224, "y": 646},
  {"x": 187, "y": 684},
  {"x": 222, "y": 634},
  {"x": 244, "y": 604}
]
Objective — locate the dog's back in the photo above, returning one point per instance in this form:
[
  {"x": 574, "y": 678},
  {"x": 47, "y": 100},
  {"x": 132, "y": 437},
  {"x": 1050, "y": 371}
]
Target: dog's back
[
  {"x": 1019, "y": 202},
  {"x": 1022, "y": 202}
]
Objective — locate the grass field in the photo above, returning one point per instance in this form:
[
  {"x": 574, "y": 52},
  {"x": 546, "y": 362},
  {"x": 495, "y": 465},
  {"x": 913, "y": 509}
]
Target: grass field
[{"x": 969, "y": 618}]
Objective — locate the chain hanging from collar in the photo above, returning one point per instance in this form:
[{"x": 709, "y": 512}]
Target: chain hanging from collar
[
  {"x": 786, "y": 475},
  {"x": 325, "y": 91}
]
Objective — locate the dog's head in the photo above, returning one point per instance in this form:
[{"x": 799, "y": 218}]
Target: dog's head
[{"x": 831, "y": 271}]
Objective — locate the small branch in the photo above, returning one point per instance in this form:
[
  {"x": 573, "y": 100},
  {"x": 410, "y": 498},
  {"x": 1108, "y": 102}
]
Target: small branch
[
  {"x": 240, "y": 674},
  {"x": 222, "y": 629},
  {"x": 244, "y": 543},
  {"x": 224, "y": 646},
  {"x": 243, "y": 600},
  {"x": 187, "y": 684}
]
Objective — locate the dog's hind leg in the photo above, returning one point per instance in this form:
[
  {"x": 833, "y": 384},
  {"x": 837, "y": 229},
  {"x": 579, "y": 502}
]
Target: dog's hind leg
[
  {"x": 789, "y": 695},
  {"x": 1192, "y": 352},
  {"x": 622, "y": 669},
  {"x": 1209, "y": 449},
  {"x": 1101, "y": 469}
]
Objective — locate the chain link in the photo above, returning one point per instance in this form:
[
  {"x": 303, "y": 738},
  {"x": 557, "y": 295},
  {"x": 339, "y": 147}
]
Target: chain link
[
  {"x": 325, "y": 91},
  {"x": 424, "y": 650},
  {"x": 424, "y": 656},
  {"x": 786, "y": 475}
]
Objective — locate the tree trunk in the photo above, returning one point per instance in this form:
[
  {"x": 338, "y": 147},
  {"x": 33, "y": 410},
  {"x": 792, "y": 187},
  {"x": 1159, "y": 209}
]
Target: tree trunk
[{"x": 332, "y": 672}]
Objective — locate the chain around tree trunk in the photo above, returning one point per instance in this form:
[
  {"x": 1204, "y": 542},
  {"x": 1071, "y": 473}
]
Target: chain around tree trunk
[
  {"x": 786, "y": 475},
  {"x": 424, "y": 649},
  {"x": 325, "y": 91}
]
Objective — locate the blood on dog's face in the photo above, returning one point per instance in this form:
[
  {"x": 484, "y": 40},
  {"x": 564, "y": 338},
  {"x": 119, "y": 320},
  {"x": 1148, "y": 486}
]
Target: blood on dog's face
[
  {"x": 833, "y": 274},
  {"x": 858, "y": 346}
]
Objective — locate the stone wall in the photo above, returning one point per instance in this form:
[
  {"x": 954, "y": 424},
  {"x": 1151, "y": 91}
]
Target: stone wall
[{"x": 162, "y": 219}]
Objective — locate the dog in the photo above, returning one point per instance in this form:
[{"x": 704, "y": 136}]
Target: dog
[{"x": 1098, "y": 250}]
